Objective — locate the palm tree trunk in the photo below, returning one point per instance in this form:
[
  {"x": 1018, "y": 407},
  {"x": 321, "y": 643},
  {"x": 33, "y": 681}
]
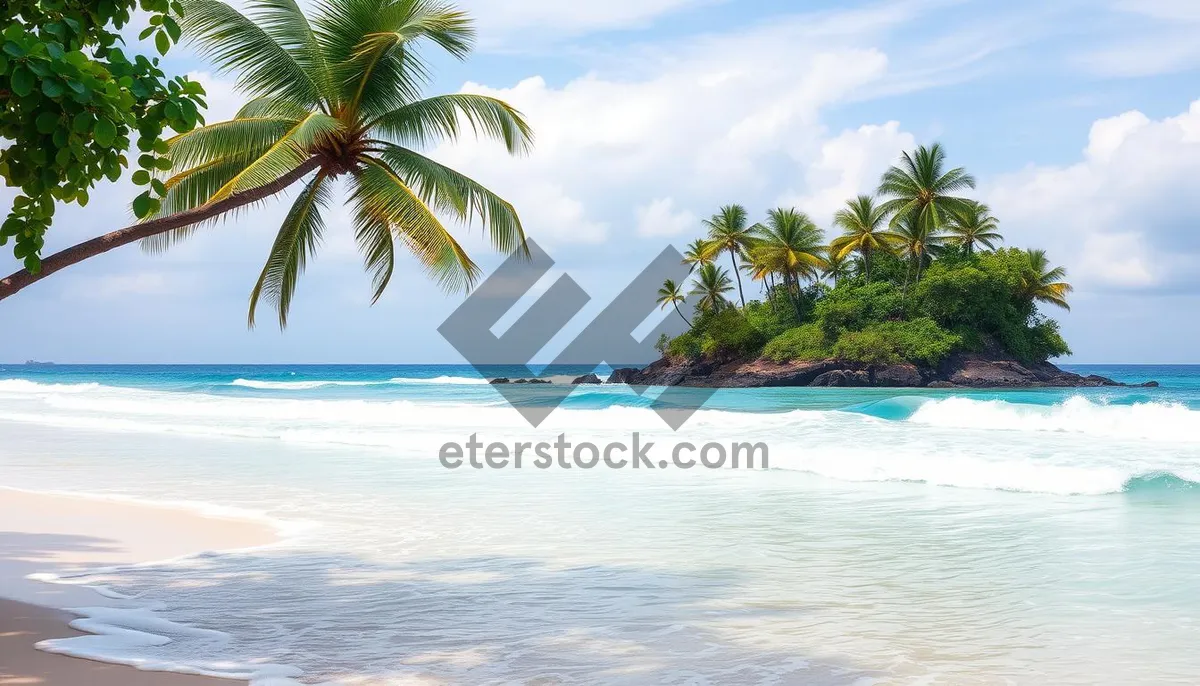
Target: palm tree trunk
[
  {"x": 115, "y": 239},
  {"x": 685, "y": 319},
  {"x": 867, "y": 265},
  {"x": 738, "y": 274}
]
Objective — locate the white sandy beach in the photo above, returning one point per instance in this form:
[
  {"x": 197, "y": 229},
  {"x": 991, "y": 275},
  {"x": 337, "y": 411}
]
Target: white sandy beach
[{"x": 60, "y": 533}]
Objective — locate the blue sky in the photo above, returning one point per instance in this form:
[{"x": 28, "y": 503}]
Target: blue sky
[{"x": 1077, "y": 117}]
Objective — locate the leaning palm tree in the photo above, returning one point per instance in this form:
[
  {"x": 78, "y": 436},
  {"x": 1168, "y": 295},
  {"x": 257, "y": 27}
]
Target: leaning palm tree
[
  {"x": 698, "y": 253},
  {"x": 920, "y": 187},
  {"x": 712, "y": 283},
  {"x": 973, "y": 225},
  {"x": 918, "y": 241},
  {"x": 728, "y": 231},
  {"x": 340, "y": 96},
  {"x": 864, "y": 230},
  {"x": 790, "y": 244},
  {"x": 672, "y": 294},
  {"x": 1044, "y": 283}
]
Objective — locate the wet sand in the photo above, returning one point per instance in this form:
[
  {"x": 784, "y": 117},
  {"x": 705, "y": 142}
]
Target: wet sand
[{"x": 57, "y": 533}]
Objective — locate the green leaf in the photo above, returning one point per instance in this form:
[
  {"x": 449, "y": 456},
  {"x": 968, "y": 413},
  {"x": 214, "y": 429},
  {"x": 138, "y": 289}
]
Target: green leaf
[
  {"x": 172, "y": 28},
  {"x": 162, "y": 41},
  {"x": 163, "y": 164},
  {"x": 83, "y": 121},
  {"x": 105, "y": 132},
  {"x": 141, "y": 205},
  {"x": 141, "y": 177},
  {"x": 3, "y": 65},
  {"x": 47, "y": 122},
  {"x": 53, "y": 88},
  {"x": 22, "y": 81}
]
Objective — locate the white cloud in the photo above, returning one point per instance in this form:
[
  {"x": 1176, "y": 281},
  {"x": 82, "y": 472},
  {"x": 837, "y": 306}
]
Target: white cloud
[
  {"x": 848, "y": 165},
  {"x": 1125, "y": 215},
  {"x": 712, "y": 120},
  {"x": 661, "y": 218}
]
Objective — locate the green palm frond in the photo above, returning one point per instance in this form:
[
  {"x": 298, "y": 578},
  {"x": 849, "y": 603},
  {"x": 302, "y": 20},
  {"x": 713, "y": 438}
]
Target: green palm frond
[
  {"x": 247, "y": 137},
  {"x": 381, "y": 191},
  {"x": 456, "y": 194},
  {"x": 285, "y": 23},
  {"x": 286, "y": 154},
  {"x": 238, "y": 44},
  {"x": 269, "y": 107},
  {"x": 297, "y": 239},
  {"x": 373, "y": 234},
  {"x": 430, "y": 121}
]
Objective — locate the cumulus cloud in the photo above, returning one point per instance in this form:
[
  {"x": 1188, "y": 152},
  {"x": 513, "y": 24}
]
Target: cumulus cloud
[
  {"x": 1125, "y": 215},
  {"x": 661, "y": 218},
  {"x": 849, "y": 164}
]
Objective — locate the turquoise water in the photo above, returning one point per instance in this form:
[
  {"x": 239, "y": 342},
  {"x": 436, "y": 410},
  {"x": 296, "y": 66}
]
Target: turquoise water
[{"x": 899, "y": 536}]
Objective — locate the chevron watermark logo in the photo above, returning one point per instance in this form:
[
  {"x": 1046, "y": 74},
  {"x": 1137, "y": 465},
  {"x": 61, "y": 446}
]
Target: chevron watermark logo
[{"x": 607, "y": 339}]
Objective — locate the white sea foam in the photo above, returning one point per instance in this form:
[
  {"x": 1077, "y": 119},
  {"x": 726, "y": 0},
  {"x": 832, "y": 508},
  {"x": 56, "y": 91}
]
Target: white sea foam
[
  {"x": 123, "y": 635},
  {"x": 448, "y": 380},
  {"x": 1148, "y": 421}
]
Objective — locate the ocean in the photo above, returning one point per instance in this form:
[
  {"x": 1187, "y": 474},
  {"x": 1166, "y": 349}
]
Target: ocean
[{"x": 899, "y": 536}]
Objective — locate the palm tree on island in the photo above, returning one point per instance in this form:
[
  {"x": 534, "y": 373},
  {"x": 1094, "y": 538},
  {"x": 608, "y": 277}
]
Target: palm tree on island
[
  {"x": 864, "y": 226},
  {"x": 712, "y": 283},
  {"x": 340, "y": 96},
  {"x": 672, "y": 294},
  {"x": 728, "y": 231},
  {"x": 1044, "y": 283},
  {"x": 973, "y": 225},
  {"x": 914, "y": 301}
]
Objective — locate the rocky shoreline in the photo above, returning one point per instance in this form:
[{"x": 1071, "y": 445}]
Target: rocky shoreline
[{"x": 957, "y": 371}]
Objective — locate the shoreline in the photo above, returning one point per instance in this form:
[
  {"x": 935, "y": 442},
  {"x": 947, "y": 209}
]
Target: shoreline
[{"x": 55, "y": 534}]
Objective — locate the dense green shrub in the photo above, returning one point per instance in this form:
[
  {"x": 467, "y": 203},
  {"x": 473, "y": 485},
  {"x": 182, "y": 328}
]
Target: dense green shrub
[
  {"x": 685, "y": 346},
  {"x": 807, "y": 342},
  {"x": 775, "y": 316},
  {"x": 727, "y": 333},
  {"x": 853, "y": 307},
  {"x": 920, "y": 340}
]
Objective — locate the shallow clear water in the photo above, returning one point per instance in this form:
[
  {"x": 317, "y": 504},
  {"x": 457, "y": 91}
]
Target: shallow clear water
[{"x": 900, "y": 535}]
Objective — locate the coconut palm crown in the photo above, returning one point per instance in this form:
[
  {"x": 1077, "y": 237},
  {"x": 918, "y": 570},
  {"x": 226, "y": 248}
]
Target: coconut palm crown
[
  {"x": 974, "y": 225},
  {"x": 729, "y": 231},
  {"x": 865, "y": 230},
  {"x": 712, "y": 283},
  {"x": 1044, "y": 283},
  {"x": 920, "y": 188},
  {"x": 340, "y": 95},
  {"x": 671, "y": 294}
]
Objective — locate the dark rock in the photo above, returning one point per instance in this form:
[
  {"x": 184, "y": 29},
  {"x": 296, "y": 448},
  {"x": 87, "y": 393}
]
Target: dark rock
[
  {"x": 499, "y": 380},
  {"x": 1150, "y": 384},
  {"x": 520, "y": 380},
  {"x": 626, "y": 375},
  {"x": 900, "y": 375},
  {"x": 540, "y": 381},
  {"x": 586, "y": 378},
  {"x": 940, "y": 384}
]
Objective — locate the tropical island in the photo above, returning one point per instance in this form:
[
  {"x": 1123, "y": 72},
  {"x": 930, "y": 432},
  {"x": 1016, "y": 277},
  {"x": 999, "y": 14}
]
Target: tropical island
[{"x": 914, "y": 291}]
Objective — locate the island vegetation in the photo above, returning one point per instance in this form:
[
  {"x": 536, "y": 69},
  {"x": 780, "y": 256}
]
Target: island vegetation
[{"x": 912, "y": 275}]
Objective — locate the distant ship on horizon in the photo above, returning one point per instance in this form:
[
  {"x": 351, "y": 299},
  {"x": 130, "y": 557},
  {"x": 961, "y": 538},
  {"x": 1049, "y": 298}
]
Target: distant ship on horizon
[{"x": 36, "y": 363}]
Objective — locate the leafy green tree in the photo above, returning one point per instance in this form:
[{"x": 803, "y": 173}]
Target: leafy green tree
[
  {"x": 72, "y": 104},
  {"x": 671, "y": 294},
  {"x": 864, "y": 230},
  {"x": 971, "y": 226},
  {"x": 728, "y": 231},
  {"x": 712, "y": 283}
]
